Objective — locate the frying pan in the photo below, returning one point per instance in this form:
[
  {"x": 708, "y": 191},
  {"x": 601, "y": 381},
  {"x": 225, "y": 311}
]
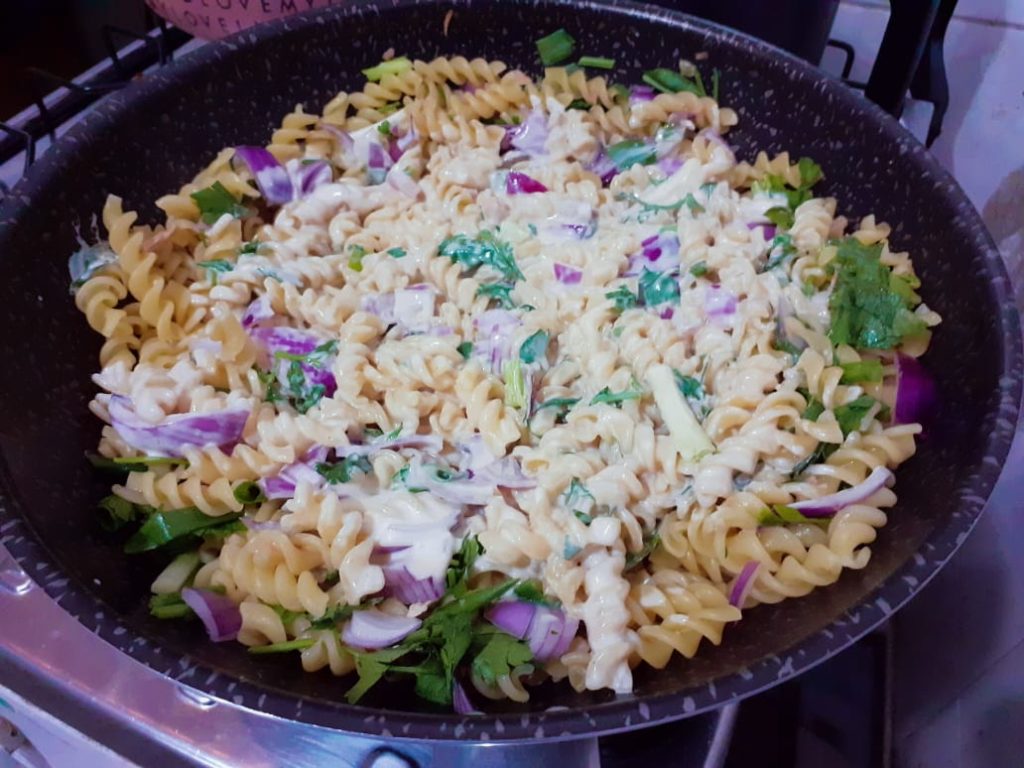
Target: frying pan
[{"x": 154, "y": 135}]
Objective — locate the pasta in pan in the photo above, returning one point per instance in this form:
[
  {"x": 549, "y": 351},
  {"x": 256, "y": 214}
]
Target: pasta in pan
[{"x": 477, "y": 380}]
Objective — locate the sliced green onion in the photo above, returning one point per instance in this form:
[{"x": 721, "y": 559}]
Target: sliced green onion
[
  {"x": 390, "y": 67},
  {"x": 555, "y": 48},
  {"x": 863, "y": 370},
  {"x": 299, "y": 644},
  {"x": 597, "y": 62},
  {"x": 515, "y": 385}
]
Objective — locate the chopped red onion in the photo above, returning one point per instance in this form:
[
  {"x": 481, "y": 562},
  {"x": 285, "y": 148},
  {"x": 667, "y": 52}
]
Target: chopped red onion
[
  {"x": 371, "y": 629},
  {"x": 766, "y": 227},
  {"x": 916, "y": 393},
  {"x": 639, "y": 94},
  {"x": 461, "y": 702},
  {"x": 345, "y": 140},
  {"x": 667, "y": 313},
  {"x": 517, "y": 183},
  {"x": 431, "y": 443},
  {"x": 658, "y": 253},
  {"x": 827, "y": 506},
  {"x": 270, "y": 175},
  {"x": 529, "y": 136},
  {"x": 461, "y": 491},
  {"x": 512, "y": 616},
  {"x": 548, "y": 631},
  {"x": 669, "y": 165},
  {"x": 307, "y": 176},
  {"x": 219, "y": 614},
  {"x": 476, "y": 454},
  {"x": 400, "y": 584},
  {"x": 505, "y": 472},
  {"x": 494, "y": 337},
  {"x": 403, "y": 182},
  {"x": 603, "y": 166},
  {"x": 177, "y": 432},
  {"x": 568, "y": 275},
  {"x": 283, "y": 484},
  {"x": 744, "y": 583},
  {"x": 291, "y": 341},
  {"x": 718, "y": 301},
  {"x": 257, "y": 311}
]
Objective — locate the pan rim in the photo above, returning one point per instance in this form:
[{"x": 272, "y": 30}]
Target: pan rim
[{"x": 624, "y": 712}]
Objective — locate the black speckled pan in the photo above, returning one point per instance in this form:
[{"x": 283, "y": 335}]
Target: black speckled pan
[{"x": 152, "y": 137}]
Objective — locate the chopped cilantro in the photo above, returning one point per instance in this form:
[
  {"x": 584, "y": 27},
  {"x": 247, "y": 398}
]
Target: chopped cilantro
[
  {"x": 657, "y": 288},
  {"x": 636, "y": 558},
  {"x": 465, "y": 349},
  {"x": 163, "y": 527},
  {"x": 623, "y": 297},
  {"x": 583, "y": 517},
  {"x": 343, "y": 471},
  {"x": 215, "y": 267},
  {"x": 500, "y": 292},
  {"x": 617, "y": 398},
  {"x": 870, "y": 306},
  {"x": 577, "y": 495},
  {"x": 397, "y": 253},
  {"x": 499, "y": 656},
  {"x": 780, "y": 217},
  {"x": 250, "y": 248},
  {"x": 852, "y": 414},
  {"x": 456, "y": 578},
  {"x": 534, "y": 348},
  {"x": 483, "y": 250},
  {"x": 531, "y": 591},
  {"x": 627, "y": 153},
  {"x": 214, "y": 201},
  {"x": 780, "y": 250},
  {"x": 699, "y": 269},
  {"x": 333, "y": 615},
  {"x": 561, "y": 406},
  {"x": 862, "y": 370}
]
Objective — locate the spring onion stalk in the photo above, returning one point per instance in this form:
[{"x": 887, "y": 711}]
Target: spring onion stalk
[
  {"x": 689, "y": 437},
  {"x": 176, "y": 574},
  {"x": 555, "y": 48},
  {"x": 515, "y": 385},
  {"x": 391, "y": 67},
  {"x": 596, "y": 62}
]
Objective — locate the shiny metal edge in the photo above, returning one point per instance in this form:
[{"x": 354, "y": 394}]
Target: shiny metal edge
[{"x": 50, "y": 659}]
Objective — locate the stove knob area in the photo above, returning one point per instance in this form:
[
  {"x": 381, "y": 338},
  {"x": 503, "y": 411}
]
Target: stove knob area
[{"x": 387, "y": 758}]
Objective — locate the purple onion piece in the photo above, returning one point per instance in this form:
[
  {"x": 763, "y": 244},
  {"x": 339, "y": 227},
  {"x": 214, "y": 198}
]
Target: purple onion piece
[
  {"x": 829, "y": 505},
  {"x": 371, "y": 629},
  {"x": 257, "y": 311},
  {"x": 743, "y": 584},
  {"x": 719, "y": 302},
  {"x": 430, "y": 443},
  {"x": 174, "y": 433},
  {"x": 639, "y": 94},
  {"x": 512, "y": 616},
  {"x": 568, "y": 275},
  {"x": 529, "y": 136},
  {"x": 219, "y": 614},
  {"x": 270, "y": 175},
  {"x": 461, "y": 702},
  {"x": 306, "y": 177},
  {"x": 402, "y": 585},
  {"x": 916, "y": 394},
  {"x": 283, "y": 484},
  {"x": 290, "y": 341},
  {"x": 517, "y": 183},
  {"x": 603, "y": 166}
]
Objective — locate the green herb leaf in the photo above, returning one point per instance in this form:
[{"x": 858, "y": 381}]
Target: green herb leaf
[
  {"x": 535, "y": 347},
  {"x": 531, "y": 591},
  {"x": 248, "y": 492},
  {"x": 577, "y": 496},
  {"x": 625, "y": 154},
  {"x": 657, "y": 288},
  {"x": 689, "y": 386},
  {"x": 852, "y": 414},
  {"x": 342, "y": 471},
  {"x": 583, "y": 517},
  {"x": 597, "y": 62},
  {"x": 780, "y": 251},
  {"x": 616, "y": 398},
  {"x": 371, "y": 667},
  {"x": 483, "y": 250},
  {"x": 780, "y": 514},
  {"x": 500, "y": 292},
  {"x": 120, "y": 512},
  {"x": 636, "y": 558},
  {"x": 398, "y": 253},
  {"x": 780, "y": 217},
  {"x": 465, "y": 349},
  {"x": 623, "y": 297},
  {"x": 863, "y": 370},
  {"x": 699, "y": 269},
  {"x": 214, "y": 268},
  {"x": 555, "y": 48},
  {"x": 298, "y": 644},
  {"x": 250, "y": 248},
  {"x": 814, "y": 409},
  {"x": 215, "y": 201},
  {"x": 394, "y": 66},
  {"x": 163, "y": 527},
  {"x": 456, "y": 578},
  {"x": 500, "y": 656},
  {"x": 561, "y": 406},
  {"x": 671, "y": 81},
  {"x": 810, "y": 172},
  {"x": 333, "y": 615}
]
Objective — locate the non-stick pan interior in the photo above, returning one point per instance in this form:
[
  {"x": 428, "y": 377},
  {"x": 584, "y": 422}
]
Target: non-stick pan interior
[{"x": 151, "y": 138}]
